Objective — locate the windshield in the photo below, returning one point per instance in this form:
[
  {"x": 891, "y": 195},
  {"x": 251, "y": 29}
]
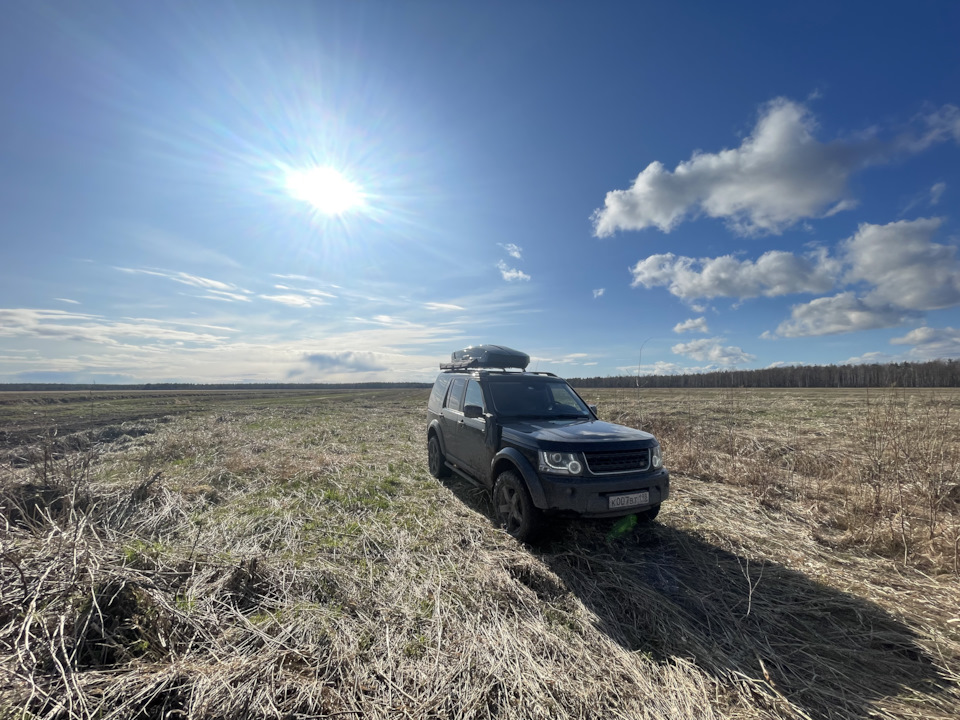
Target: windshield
[{"x": 537, "y": 398}]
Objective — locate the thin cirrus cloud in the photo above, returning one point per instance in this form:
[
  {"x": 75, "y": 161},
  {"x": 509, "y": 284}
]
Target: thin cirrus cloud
[
  {"x": 442, "y": 307},
  {"x": 713, "y": 350},
  {"x": 215, "y": 289},
  {"x": 780, "y": 174},
  {"x": 598, "y": 293},
  {"x": 936, "y": 192},
  {"x": 514, "y": 251},
  {"x": 80, "y": 327},
  {"x": 692, "y": 325}
]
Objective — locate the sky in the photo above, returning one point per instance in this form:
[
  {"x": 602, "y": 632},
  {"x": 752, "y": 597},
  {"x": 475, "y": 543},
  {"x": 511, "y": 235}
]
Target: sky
[{"x": 349, "y": 191}]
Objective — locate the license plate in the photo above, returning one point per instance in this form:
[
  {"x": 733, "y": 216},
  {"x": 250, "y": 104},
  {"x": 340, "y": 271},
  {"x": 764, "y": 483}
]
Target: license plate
[{"x": 622, "y": 501}]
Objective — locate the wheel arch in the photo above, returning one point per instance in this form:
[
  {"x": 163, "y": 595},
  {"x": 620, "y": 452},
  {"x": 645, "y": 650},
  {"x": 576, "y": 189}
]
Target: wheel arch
[{"x": 512, "y": 459}]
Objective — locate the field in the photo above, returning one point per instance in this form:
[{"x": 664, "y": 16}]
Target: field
[{"x": 287, "y": 555}]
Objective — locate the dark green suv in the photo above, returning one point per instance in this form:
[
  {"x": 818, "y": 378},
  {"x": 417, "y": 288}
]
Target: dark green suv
[{"x": 532, "y": 440}]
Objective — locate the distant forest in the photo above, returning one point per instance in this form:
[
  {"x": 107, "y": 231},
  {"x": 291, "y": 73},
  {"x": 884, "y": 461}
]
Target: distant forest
[
  {"x": 936, "y": 373},
  {"x": 933, "y": 374}
]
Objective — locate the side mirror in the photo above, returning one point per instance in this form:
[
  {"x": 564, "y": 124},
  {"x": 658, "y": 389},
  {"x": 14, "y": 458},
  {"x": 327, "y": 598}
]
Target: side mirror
[
  {"x": 472, "y": 411},
  {"x": 593, "y": 409}
]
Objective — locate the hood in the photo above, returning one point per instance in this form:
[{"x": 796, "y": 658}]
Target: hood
[{"x": 549, "y": 433}]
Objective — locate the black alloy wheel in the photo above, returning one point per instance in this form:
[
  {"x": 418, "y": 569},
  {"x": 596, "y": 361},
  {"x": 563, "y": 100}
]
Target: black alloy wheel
[
  {"x": 513, "y": 509},
  {"x": 437, "y": 462}
]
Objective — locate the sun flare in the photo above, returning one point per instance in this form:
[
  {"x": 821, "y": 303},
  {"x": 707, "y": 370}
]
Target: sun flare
[{"x": 326, "y": 189}]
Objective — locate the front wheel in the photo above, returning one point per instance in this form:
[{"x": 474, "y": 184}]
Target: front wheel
[
  {"x": 649, "y": 515},
  {"x": 513, "y": 508},
  {"x": 438, "y": 463}
]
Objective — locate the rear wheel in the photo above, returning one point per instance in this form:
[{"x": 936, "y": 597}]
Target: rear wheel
[
  {"x": 436, "y": 459},
  {"x": 513, "y": 509}
]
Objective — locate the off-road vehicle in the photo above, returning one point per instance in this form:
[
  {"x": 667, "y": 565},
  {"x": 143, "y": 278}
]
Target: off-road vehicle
[{"x": 533, "y": 441}]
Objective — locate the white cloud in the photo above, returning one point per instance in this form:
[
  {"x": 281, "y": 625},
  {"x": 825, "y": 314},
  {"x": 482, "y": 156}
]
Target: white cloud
[
  {"x": 779, "y": 175},
  {"x": 294, "y": 300},
  {"x": 712, "y": 350},
  {"x": 936, "y": 192},
  {"x": 215, "y": 289},
  {"x": 773, "y": 273},
  {"x": 692, "y": 325},
  {"x": 68, "y": 301},
  {"x": 841, "y": 313},
  {"x": 598, "y": 293},
  {"x": 905, "y": 268},
  {"x": 441, "y": 306},
  {"x": 870, "y": 358},
  {"x": 514, "y": 251},
  {"x": 931, "y": 343},
  {"x": 510, "y": 274}
]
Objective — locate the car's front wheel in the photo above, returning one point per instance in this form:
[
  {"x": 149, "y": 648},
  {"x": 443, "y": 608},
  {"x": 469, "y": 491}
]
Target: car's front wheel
[
  {"x": 513, "y": 508},
  {"x": 436, "y": 459},
  {"x": 649, "y": 515}
]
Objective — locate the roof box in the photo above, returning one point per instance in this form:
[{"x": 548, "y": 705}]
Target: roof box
[{"x": 486, "y": 356}]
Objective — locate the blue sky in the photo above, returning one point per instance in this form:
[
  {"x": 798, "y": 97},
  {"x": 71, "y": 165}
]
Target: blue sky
[{"x": 683, "y": 186}]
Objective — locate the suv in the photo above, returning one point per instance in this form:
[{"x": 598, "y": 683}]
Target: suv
[{"x": 532, "y": 440}]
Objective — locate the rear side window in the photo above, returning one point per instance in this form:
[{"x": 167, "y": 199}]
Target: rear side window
[
  {"x": 455, "y": 398},
  {"x": 439, "y": 390}
]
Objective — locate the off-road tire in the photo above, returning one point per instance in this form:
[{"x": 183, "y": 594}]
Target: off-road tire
[
  {"x": 513, "y": 509},
  {"x": 436, "y": 459}
]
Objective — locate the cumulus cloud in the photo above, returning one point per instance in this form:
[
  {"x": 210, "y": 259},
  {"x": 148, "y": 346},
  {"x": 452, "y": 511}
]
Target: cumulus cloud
[
  {"x": 773, "y": 273},
  {"x": 780, "y": 174},
  {"x": 931, "y": 343},
  {"x": 692, "y": 325},
  {"x": 510, "y": 274},
  {"x": 598, "y": 293},
  {"x": 841, "y": 313},
  {"x": 514, "y": 251},
  {"x": 904, "y": 266},
  {"x": 348, "y": 361},
  {"x": 712, "y": 350},
  {"x": 936, "y": 192}
]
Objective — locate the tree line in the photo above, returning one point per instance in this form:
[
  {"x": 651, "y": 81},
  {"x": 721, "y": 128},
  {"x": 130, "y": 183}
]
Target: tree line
[{"x": 935, "y": 373}]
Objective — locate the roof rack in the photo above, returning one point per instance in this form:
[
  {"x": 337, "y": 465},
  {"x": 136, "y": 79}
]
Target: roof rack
[{"x": 486, "y": 356}]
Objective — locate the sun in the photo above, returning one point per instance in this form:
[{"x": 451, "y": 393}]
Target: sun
[{"x": 326, "y": 189}]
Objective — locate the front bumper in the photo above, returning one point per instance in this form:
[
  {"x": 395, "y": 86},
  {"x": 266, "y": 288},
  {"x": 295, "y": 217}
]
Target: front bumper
[{"x": 589, "y": 497}]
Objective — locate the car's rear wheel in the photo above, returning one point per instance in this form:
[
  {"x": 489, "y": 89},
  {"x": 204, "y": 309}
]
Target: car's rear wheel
[
  {"x": 436, "y": 459},
  {"x": 649, "y": 515},
  {"x": 513, "y": 509}
]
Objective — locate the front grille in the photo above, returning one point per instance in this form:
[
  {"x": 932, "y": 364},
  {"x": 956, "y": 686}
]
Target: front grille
[{"x": 617, "y": 461}]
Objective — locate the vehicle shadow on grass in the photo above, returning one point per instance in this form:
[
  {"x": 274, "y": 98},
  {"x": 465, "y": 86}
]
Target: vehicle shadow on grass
[{"x": 669, "y": 594}]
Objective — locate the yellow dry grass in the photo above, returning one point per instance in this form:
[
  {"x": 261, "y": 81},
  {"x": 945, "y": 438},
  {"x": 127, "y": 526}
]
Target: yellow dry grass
[{"x": 296, "y": 560}]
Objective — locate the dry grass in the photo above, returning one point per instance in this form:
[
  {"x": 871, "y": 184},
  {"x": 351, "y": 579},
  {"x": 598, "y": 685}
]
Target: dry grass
[{"x": 296, "y": 561}]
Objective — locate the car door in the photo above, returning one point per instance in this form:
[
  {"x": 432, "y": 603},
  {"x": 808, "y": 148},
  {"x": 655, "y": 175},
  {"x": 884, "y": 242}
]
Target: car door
[
  {"x": 451, "y": 421},
  {"x": 472, "y": 435}
]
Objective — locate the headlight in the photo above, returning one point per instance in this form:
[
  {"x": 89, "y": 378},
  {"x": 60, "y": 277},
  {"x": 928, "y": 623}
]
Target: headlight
[
  {"x": 560, "y": 463},
  {"x": 656, "y": 459}
]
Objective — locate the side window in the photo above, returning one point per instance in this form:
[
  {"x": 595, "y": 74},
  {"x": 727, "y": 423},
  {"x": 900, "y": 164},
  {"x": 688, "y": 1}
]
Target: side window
[
  {"x": 474, "y": 394},
  {"x": 455, "y": 396},
  {"x": 439, "y": 390}
]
